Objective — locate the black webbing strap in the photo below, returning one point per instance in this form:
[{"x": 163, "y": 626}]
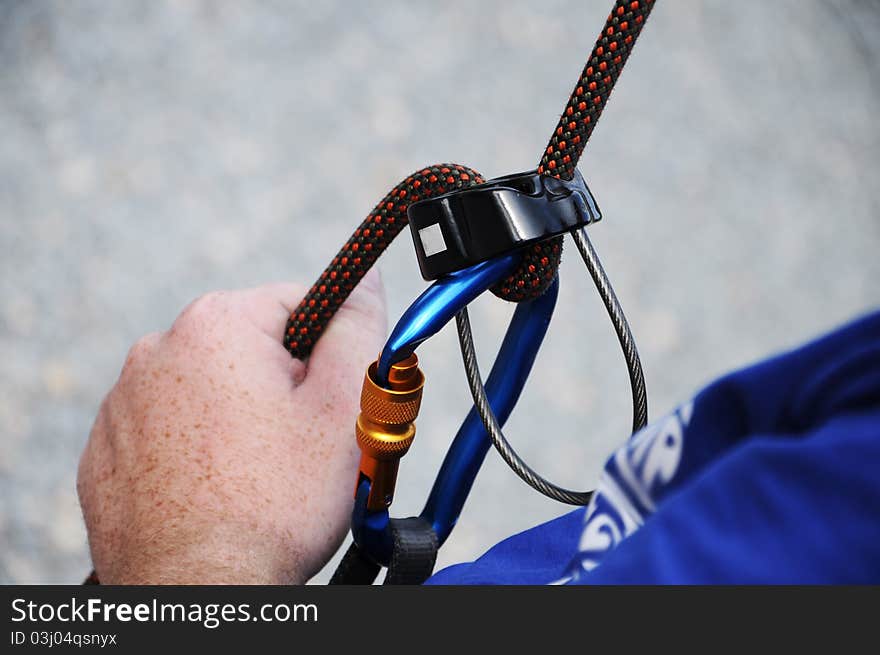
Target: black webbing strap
[
  {"x": 412, "y": 558},
  {"x": 355, "y": 568},
  {"x": 415, "y": 551}
]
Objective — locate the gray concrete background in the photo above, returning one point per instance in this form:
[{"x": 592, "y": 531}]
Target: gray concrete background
[{"x": 152, "y": 151}]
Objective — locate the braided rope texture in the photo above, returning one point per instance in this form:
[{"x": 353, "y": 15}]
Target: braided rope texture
[
  {"x": 575, "y": 126},
  {"x": 307, "y": 322},
  {"x": 612, "y": 49},
  {"x": 540, "y": 261},
  {"x": 363, "y": 248}
]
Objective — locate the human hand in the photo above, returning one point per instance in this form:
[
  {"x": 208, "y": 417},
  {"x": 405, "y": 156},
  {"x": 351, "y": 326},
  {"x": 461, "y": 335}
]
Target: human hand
[{"x": 216, "y": 457}]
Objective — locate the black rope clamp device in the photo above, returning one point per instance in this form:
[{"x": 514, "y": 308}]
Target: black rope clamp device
[{"x": 462, "y": 228}]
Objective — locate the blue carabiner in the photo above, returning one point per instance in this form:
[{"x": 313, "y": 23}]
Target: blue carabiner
[
  {"x": 424, "y": 318},
  {"x": 437, "y": 306}
]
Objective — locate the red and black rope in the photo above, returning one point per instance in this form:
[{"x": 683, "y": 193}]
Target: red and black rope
[
  {"x": 363, "y": 248},
  {"x": 540, "y": 261},
  {"x": 590, "y": 95}
]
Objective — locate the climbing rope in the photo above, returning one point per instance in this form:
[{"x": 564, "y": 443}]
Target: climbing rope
[{"x": 540, "y": 262}]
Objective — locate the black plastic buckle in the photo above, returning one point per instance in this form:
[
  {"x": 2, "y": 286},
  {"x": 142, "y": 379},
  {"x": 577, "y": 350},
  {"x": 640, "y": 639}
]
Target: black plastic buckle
[{"x": 465, "y": 227}]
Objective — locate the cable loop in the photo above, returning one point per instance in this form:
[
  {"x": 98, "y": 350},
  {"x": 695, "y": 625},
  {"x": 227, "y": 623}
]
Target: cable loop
[{"x": 630, "y": 354}]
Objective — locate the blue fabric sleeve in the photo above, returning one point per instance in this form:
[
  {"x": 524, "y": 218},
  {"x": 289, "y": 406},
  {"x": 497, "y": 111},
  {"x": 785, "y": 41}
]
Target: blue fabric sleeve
[
  {"x": 532, "y": 557},
  {"x": 792, "y": 510},
  {"x": 770, "y": 475}
]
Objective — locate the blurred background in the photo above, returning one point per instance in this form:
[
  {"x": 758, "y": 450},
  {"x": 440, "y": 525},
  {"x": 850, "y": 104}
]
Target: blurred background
[{"x": 153, "y": 151}]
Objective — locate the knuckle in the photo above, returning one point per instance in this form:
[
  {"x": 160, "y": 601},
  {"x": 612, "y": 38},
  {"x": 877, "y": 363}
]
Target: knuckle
[
  {"x": 364, "y": 318},
  {"x": 141, "y": 351},
  {"x": 364, "y": 306},
  {"x": 201, "y": 312},
  {"x": 85, "y": 469},
  {"x": 84, "y": 479}
]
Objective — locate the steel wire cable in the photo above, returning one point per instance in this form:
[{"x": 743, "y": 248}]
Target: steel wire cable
[
  {"x": 633, "y": 364},
  {"x": 576, "y": 124},
  {"x": 621, "y": 328}
]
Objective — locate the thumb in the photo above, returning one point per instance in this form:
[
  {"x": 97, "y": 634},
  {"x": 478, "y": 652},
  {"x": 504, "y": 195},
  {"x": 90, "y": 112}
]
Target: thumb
[{"x": 351, "y": 341}]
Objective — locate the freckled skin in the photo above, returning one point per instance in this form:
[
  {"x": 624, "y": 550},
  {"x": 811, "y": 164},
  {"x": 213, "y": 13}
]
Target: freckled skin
[{"x": 216, "y": 458}]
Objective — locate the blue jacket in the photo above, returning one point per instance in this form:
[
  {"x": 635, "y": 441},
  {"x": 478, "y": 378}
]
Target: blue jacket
[{"x": 769, "y": 475}]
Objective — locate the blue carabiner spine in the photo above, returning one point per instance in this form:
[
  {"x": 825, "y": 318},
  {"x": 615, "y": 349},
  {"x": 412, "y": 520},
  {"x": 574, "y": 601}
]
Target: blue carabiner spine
[{"x": 424, "y": 318}]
